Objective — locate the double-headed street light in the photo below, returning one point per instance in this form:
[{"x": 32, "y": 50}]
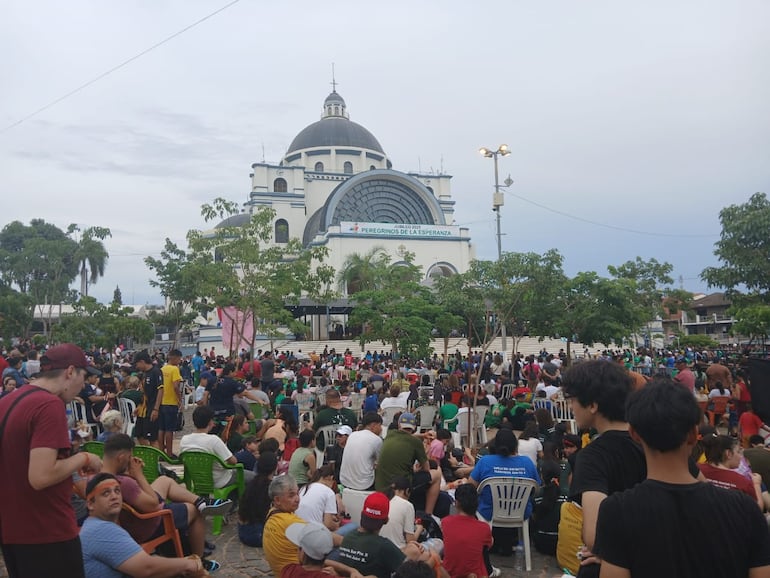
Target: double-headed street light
[{"x": 497, "y": 202}]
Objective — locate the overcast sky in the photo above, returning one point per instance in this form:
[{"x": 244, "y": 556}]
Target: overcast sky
[{"x": 645, "y": 116}]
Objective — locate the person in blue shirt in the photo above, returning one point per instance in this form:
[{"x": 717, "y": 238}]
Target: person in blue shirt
[
  {"x": 504, "y": 462},
  {"x": 109, "y": 551},
  {"x": 197, "y": 367}
]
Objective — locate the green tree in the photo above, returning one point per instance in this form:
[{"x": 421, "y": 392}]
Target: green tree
[
  {"x": 743, "y": 251},
  {"x": 399, "y": 311},
  {"x": 39, "y": 261},
  {"x": 649, "y": 279},
  {"x": 240, "y": 270},
  {"x": 363, "y": 272},
  {"x": 92, "y": 323},
  {"x": 91, "y": 254},
  {"x": 15, "y": 312},
  {"x": 117, "y": 296},
  {"x": 696, "y": 341},
  {"x": 594, "y": 309}
]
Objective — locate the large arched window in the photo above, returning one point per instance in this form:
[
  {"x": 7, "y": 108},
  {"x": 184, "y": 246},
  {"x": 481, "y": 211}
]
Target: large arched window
[
  {"x": 281, "y": 231},
  {"x": 319, "y": 167},
  {"x": 348, "y": 170},
  {"x": 279, "y": 185}
]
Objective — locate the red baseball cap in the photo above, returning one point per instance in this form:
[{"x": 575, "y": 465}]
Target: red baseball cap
[
  {"x": 376, "y": 506},
  {"x": 64, "y": 355}
]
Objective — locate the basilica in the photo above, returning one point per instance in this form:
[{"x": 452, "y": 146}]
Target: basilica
[{"x": 336, "y": 187}]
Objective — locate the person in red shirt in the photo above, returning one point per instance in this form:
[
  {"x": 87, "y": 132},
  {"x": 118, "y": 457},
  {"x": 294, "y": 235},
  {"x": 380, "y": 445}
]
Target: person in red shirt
[
  {"x": 467, "y": 540},
  {"x": 723, "y": 456},
  {"x": 38, "y": 531},
  {"x": 749, "y": 425}
]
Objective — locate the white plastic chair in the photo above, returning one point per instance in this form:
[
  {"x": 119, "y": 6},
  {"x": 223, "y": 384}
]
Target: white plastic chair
[
  {"x": 510, "y": 497},
  {"x": 81, "y": 415},
  {"x": 481, "y": 429},
  {"x": 507, "y": 391},
  {"x": 329, "y": 433},
  {"x": 356, "y": 401},
  {"x": 427, "y": 415},
  {"x": 387, "y": 417},
  {"x": 127, "y": 410},
  {"x": 561, "y": 410},
  {"x": 305, "y": 403},
  {"x": 354, "y": 502}
]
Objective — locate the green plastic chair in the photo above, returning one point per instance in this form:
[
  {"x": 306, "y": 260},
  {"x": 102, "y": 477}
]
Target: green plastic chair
[
  {"x": 199, "y": 479},
  {"x": 260, "y": 411},
  {"x": 96, "y": 448},
  {"x": 152, "y": 457}
]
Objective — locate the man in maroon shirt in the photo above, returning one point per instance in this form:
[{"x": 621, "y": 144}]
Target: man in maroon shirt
[
  {"x": 685, "y": 377},
  {"x": 38, "y": 531}
]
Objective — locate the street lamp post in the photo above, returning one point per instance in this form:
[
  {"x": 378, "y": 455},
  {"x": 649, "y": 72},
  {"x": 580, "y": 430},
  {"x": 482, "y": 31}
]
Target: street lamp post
[{"x": 497, "y": 202}]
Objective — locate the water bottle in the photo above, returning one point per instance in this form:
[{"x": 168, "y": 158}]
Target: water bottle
[
  {"x": 70, "y": 417},
  {"x": 518, "y": 562}
]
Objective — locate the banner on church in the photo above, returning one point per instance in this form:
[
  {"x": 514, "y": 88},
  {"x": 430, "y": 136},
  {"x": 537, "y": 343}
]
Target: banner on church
[{"x": 398, "y": 230}]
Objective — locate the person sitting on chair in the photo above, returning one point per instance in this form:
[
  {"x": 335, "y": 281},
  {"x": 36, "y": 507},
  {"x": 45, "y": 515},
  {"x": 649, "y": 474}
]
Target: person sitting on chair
[{"x": 108, "y": 550}]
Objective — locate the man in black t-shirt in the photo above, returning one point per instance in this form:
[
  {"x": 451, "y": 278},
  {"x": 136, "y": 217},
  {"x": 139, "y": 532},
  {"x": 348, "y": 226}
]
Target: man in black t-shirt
[
  {"x": 612, "y": 462},
  {"x": 146, "y": 430},
  {"x": 671, "y": 524}
]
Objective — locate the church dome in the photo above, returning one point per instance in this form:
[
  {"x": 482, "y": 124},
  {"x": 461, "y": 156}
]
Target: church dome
[{"x": 334, "y": 129}]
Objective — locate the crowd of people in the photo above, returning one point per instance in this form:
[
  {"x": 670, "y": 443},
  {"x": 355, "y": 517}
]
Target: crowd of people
[{"x": 405, "y": 449}]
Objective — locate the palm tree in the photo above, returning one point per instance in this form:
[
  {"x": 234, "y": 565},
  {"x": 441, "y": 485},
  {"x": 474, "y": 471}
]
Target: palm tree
[
  {"x": 363, "y": 272},
  {"x": 91, "y": 256}
]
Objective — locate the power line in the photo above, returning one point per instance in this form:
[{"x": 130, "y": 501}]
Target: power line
[
  {"x": 115, "y": 68},
  {"x": 614, "y": 227}
]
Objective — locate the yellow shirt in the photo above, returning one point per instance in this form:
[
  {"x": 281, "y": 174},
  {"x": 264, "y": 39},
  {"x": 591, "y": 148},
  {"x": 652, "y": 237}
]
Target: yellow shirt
[
  {"x": 278, "y": 549},
  {"x": 171, "y": 378}
]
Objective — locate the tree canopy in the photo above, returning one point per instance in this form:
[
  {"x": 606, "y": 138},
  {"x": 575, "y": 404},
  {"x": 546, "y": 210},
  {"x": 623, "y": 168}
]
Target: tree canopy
[{"x": 743, "y": 251}]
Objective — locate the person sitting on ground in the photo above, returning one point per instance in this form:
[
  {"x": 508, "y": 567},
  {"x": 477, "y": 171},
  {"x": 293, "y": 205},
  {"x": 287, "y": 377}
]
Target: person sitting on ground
[
  {"x": 367, "y": 551},
  {"x": 758, "y": 456},
  {"x": 282, "y": 428},
  {"x": 529, "y": 444},
  {"x": 749, "y": 425},
  {"x": 692, "y": 528},
  {"x": 314, "y": 542},
  {"x": 319, "y": 502},
  {"x": 302, "y": 465},
  {"x": 238, "y": 427},
  {"x": 201, "y": 441},
  {"x": 401, "y": 527},
  {"x": 164, "y": 493},
  {"x": 255, "y": 502},
  {"x": 248, "y": 453},
  {"x": 467, "y": 540},
  {"x": 112, "y": 422},
  {"x": 400, "y": 450},
  {"x": 284, "y": 498},
  {"x": 109, "y": 550}
]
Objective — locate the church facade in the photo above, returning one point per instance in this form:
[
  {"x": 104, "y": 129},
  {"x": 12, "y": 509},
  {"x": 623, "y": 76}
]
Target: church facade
[{"x": 336, "y": 187}]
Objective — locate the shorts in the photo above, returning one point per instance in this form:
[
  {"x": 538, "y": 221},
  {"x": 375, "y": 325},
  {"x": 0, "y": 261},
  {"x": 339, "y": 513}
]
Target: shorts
[
  {"x": 146, "y": 429},
  {"x": 179, "y": 510},
  {"x": 167, "y": 417},
  {"x": 63, "y": 559}
]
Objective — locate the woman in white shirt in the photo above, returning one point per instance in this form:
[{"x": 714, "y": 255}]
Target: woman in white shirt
[
  {"x": 317, "y": 500},
  {"x": 529, "y": 444}
]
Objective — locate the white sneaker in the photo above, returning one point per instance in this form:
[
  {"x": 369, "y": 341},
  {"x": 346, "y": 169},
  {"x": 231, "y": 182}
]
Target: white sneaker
[{"x": 495, "y": 572}]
